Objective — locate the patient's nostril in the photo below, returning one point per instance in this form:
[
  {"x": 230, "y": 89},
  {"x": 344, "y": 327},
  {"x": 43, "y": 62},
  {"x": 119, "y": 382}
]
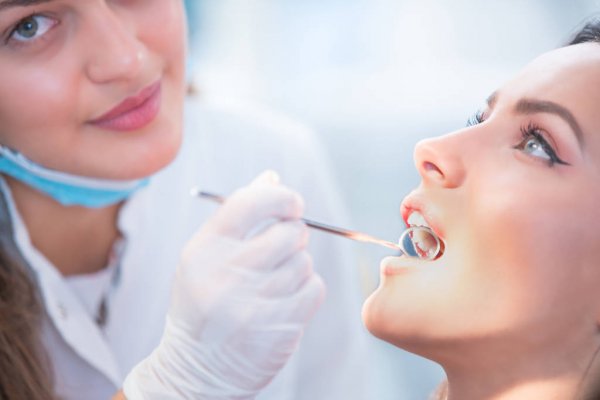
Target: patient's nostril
[{"x": 429, "y": 166}]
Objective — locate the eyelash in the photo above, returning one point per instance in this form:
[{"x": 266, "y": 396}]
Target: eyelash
[
  {"x": 532, "y": 131},
  {"x": 475, "y": 119},
  {"x": 529, "y": 132}
]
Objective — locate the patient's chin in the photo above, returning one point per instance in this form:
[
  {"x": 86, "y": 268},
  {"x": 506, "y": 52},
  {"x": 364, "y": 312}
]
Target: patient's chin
[{"x": 378, "y": 318}]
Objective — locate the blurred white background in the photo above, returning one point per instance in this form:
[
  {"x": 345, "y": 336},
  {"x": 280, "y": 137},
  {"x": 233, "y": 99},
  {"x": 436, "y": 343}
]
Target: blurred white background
[{"x": 372, "y": 77}]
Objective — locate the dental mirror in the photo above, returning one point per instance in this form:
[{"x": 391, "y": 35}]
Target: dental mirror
[
  {"x": 421, "y": 242},
  {"x": 416, "y": 241}
]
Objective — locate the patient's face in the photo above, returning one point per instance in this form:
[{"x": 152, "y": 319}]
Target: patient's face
[{"x": 516, "y": 199}]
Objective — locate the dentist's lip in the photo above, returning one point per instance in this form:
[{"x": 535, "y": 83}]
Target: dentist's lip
[
  {"x": 134, "y": 112},
  {"x": 414, "y": 203}
]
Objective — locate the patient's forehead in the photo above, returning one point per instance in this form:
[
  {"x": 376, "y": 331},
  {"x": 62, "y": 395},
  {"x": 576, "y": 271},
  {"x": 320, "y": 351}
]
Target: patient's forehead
[
  {"x": 569, "y": 76},
  {"x": 562, "y": 72}
]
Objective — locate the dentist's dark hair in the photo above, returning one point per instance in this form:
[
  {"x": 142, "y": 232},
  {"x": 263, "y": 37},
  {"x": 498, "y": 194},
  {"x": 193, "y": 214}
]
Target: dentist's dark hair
[{"x": 25, "y": 371}]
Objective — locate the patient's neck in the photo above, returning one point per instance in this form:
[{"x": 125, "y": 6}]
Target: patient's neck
[
  {"x": 477, "y": 387},
  {"x": 565, "y": 371}
]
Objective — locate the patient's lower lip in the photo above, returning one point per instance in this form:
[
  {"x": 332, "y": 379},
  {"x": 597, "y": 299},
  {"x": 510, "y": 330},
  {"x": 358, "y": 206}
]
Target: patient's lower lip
[
  {"x": 392, "y": 270},
  {"x": 389, "y": 268},
  {"x": 136, "y": 117}
]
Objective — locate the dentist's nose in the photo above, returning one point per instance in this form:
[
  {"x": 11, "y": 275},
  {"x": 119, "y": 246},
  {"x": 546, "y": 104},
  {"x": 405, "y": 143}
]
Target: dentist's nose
[
  {"x": 116, "y": 53},
  {"x": 439, "y": 161}
]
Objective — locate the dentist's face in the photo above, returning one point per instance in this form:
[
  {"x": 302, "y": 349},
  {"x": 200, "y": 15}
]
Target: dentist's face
[
  {"x": 93, "y": 87},
  {"x": 516, "y": 199}
]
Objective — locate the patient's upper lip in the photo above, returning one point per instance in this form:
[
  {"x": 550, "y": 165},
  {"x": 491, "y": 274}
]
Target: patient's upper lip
[{"x": 143, "y": 103}]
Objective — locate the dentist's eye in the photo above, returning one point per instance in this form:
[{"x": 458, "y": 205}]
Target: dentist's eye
[
  {"x": 534, "y": 144},
  {"x": 31, "y": 28},
  {"x": 476, "y": 118}
]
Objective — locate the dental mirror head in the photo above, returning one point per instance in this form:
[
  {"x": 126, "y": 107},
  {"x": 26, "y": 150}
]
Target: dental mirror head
[{"x": 421, "y": 242}]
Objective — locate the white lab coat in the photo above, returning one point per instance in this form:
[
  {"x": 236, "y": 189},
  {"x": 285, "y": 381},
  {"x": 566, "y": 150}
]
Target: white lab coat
[{"x": 222, "y": 150}]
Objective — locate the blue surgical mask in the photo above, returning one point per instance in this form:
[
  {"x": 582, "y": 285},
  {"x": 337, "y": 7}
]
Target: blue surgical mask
[{"x": 67, "y": 189}]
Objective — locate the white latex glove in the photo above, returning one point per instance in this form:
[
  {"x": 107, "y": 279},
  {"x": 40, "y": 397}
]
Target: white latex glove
[{"x": 239, "y": 304}]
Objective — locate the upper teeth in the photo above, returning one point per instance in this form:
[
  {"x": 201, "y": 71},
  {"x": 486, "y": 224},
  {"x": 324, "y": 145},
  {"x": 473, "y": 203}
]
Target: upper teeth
[{"x": 416, "y": 219}]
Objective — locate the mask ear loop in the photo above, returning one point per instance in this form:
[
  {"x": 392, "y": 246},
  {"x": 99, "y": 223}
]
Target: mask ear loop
[{"x": 117, "y": 252}]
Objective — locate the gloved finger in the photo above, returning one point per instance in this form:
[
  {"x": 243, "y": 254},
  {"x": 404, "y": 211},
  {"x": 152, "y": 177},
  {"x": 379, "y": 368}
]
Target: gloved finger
[
  {"x": 307, "y": 299},
  {"x": 296, "y": 308},
  {"x": 270, "y": 248},
  {"x": 250, "y": 206},
  {"x": 268, "y": 177},
  {"x": 288, "y": 277}
]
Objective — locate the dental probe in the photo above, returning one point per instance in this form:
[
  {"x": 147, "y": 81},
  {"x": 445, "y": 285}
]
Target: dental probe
[{"x": 353, "y": 235}]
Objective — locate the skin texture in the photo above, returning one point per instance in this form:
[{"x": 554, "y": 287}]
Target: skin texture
[
  {"x": 511, "y": 310},
  {"x": 85, "y": 57}
]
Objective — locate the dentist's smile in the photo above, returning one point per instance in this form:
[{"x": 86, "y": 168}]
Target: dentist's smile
[{"x": 134, "y": 112}]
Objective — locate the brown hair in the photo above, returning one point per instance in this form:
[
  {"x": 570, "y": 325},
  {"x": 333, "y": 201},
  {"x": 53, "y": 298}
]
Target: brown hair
[{"x": 25, "y": 371}]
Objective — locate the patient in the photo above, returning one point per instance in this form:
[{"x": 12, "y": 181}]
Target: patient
[{"x": 511, "y": 310}]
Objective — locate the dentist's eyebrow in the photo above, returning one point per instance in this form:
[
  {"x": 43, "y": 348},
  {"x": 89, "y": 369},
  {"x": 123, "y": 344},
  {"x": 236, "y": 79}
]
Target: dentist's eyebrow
[
  {"x": 533, "y": 106},
  {"x": 5, "y": 4}
]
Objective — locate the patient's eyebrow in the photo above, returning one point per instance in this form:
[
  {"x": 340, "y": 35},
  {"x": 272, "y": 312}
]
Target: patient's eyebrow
[
  {"x": 5, "y": 4},
  {"x": 533, "y": 106},
  {"x": 492, "y": 100}
]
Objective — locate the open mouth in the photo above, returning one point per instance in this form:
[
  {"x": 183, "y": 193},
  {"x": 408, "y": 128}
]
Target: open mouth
[{"x": 426, "y": 243}]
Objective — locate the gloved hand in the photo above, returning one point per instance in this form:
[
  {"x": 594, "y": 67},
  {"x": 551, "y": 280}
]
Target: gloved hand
[{"x": 240, "y": 301}]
